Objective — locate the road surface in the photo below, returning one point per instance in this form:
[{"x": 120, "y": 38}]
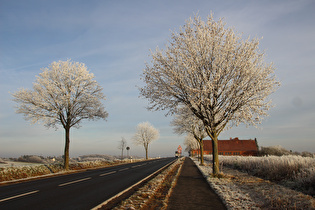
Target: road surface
[{"x": 83, "y": 190}]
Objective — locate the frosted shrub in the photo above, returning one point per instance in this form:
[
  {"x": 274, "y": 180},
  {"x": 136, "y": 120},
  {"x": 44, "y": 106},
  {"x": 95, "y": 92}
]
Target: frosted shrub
[
  {"x": 305, "y": 181},
  {"x": 31, "y": 159},
  {"x": 273, "y": 150},
  {"x": 12, "y": 173}
]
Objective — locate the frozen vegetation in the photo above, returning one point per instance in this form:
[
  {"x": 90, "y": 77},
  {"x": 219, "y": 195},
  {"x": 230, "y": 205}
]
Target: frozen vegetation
[
  {"x": 292, "y": 171},
  {"x": 31, "y": 165},
  {"x": 240, "y": 190},
  {"x": 64, "y": 94}
]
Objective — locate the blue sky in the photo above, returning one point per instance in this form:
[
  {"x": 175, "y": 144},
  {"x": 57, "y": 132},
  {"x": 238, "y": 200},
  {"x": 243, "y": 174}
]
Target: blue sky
[{"x": 113, "y": 39}]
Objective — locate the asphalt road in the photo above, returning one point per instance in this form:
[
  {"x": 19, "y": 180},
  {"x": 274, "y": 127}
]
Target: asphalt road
[{"x": 83, "y": 190}]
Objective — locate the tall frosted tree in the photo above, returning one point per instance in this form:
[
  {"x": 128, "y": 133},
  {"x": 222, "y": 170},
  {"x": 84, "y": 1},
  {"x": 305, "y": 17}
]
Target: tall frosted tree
[
  {"x": 144, "y": 135},
  {"x": 63, "y": 94},
  {"x": 220, "y": 77}
]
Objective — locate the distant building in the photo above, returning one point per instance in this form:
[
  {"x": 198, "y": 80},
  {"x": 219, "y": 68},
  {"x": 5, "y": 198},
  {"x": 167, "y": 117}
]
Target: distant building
[{"x": 230, "y": 147}]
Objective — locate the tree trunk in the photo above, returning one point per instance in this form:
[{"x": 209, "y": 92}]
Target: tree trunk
[
  {"x": 215, "y": 159},
  {"x": 66, "y": 154},
  {"x": 215, "y": 151},
  {"x": 201, "y": 153},
  {"x": 146, "y": 154},
  {"x": 146, "y": 151}
]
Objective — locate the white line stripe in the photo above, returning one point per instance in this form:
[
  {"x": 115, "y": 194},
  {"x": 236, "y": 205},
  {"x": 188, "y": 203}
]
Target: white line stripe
[
  {"x": 135, "y": 166},
  {"x": 108, "y": 173},
  {"x": 123, "y": 169},
  {"x": 24, "y": 194},
  {"x": 80, "y": 180}
]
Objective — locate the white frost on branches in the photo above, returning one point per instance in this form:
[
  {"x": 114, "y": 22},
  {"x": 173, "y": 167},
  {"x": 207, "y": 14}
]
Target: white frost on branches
[
  {"x": 186, "y": 122},
  {"x": 208, "y": 68},
  {"x": 64, "y": 93},
  {"x": 190, "y": 143},
  {"x": 144, "y": 135},
  {"x": 220, "y": 77}
]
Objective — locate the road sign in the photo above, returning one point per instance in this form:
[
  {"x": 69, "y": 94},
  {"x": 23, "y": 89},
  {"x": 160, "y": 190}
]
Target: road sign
[{"x": 179, "y": 149}]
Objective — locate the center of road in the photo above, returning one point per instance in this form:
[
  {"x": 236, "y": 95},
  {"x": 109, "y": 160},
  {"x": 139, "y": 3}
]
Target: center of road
[
  {"x": 108, "y": 173},
  {"x": 80, "y": 180}
]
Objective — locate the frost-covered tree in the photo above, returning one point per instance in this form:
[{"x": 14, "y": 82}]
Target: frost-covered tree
[
  {"x": 220, "y": 77},
  {"x": 64, "y": 94},
  {"x": 186, "y": 122},
  {"x": 190, "y": 143},
  {"x": 145, "y": 134}
]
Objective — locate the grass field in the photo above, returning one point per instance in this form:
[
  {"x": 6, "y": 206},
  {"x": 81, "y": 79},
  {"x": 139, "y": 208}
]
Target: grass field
[{"x": 293, "y": 171}]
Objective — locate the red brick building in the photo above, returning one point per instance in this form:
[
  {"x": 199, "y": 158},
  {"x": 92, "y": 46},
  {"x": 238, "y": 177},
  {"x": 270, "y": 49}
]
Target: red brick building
[{"x": 230, "y": 147}]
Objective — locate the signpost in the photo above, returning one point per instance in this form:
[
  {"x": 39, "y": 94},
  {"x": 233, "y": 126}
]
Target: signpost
[{"x": 178, "y": 153}]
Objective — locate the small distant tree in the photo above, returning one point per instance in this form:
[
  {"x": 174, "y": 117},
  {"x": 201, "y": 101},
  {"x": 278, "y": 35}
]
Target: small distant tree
[
  {"x": 186, "y": 122},
  {"x": 122, "y": 145},
  {"x": 145, "y": 134},
  {"x": 307, "y": 154},
  {"x": 221, "y": 78},
  {"x": 64, "y": 94}
]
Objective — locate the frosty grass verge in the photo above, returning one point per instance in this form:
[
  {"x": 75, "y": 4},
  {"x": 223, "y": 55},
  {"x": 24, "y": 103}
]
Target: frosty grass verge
[
  {"x": 292, "y": 171},
  {"x": 8, "y": 174},
  {"x": 239, "y": 190},
  {"x": 144, "y": 196}
]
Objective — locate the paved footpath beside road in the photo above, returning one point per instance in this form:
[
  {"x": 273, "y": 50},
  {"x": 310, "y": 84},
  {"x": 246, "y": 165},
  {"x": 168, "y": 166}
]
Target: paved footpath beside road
[{"x": 192, "y": 191}]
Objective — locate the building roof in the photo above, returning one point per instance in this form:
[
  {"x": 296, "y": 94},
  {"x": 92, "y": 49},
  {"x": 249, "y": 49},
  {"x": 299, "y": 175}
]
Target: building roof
[{"x": 231, "y": 145}]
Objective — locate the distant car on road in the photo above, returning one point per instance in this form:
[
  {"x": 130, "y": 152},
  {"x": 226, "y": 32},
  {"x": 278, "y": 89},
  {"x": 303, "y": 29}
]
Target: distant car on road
[{"x": 177, "y": 154}]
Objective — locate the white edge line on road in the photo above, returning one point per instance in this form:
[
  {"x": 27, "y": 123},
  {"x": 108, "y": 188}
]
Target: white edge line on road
[
  {"x": 16, "y": 196},
  {"x": 129, "y": 188},
  {"x": 108, "y": 173},
  {"x": 80, "y": 180}
]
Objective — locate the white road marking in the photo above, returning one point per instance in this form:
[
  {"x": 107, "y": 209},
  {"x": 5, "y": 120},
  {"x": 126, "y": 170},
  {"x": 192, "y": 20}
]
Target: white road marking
[
  {"x": 80, "y": 180},
  {"x": 108, "y": 173},
  {"x": 16, "y": 196},
  {"x": 126, "y": 190},
  {"x": 135, "y": 166},
  {"x": 123, "y": 169}
]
